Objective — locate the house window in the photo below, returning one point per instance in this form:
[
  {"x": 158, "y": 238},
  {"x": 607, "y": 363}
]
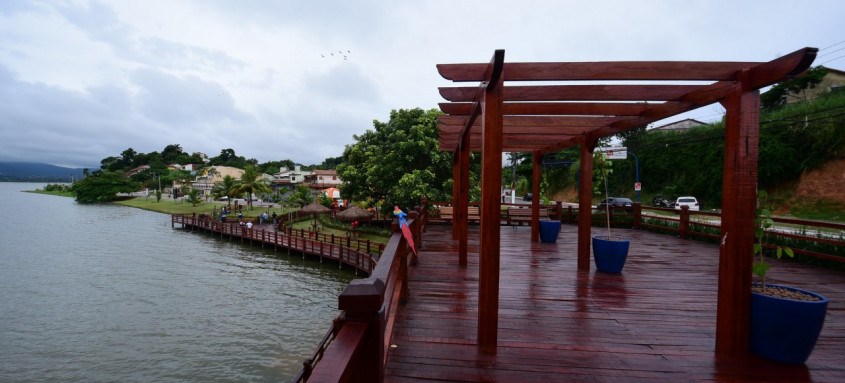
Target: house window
[{"x": 334, "y": 178}]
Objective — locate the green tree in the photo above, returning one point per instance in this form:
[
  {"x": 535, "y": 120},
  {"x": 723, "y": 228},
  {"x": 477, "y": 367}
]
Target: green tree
[
  {"x": 228, "y": 157},
  {"x": 330, "y": 163},
  {"x": 193, "y": 197},
  {"x": 399, "y": 162},
  {"x": 226, "y": 188},
  {"x": 795, "y": 87},
  {"x": 102, "y": 186},
  {"x": 301, "y": 196},
  {"x": 324, "y": 200},
  {"x": 251, "y": 183},
  {"x": 173, "y": 154}
]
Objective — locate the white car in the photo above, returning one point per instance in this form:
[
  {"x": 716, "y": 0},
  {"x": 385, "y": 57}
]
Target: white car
[{"x": 689, "y": 202}]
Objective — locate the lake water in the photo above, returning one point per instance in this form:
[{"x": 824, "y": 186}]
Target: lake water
[{"x": 106, "y": 293}]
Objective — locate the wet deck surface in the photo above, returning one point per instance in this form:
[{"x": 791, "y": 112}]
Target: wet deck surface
[{"x": 655, "y": 322}]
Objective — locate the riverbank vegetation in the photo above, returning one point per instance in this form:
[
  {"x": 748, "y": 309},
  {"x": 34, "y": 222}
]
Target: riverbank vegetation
[{"x": 62, "y": 190}]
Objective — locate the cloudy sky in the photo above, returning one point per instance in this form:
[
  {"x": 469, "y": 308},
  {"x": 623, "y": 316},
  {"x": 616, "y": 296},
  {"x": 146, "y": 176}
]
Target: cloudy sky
[{"x": 284, "y": 79}]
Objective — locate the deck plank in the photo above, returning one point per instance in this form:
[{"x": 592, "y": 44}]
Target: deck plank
[{"x": 655, "y": 322}]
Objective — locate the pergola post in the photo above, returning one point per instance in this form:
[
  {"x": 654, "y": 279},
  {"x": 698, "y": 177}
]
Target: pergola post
[
  {"x": 585, "y": 202},
  {"x": 491, "y": 183},
  {"x": 463, "y": 224},
  {"x": 535, "y": 201},
  {"x": 739, "y": 202},
  {"x": 456, "y": 194}
]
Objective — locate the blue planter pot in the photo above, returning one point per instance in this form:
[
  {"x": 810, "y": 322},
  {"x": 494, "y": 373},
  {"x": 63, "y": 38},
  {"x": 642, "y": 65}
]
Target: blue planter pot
[
  {"x": 549, "y": 231},
  {"x": 610, "y": 255},
  {"x": 786, "y": 330}
]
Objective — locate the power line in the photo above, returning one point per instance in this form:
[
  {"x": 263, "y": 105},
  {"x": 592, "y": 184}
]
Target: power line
[
  {"x": 832, "y": 60},
  {"x": 831, "y": 46},
  {"x": 828, "y": 53}
]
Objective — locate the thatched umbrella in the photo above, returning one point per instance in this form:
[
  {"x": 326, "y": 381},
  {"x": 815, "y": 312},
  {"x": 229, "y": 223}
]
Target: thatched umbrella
[
  {"x": 315, "y": 208},
  {"x": 354, "y": 213}
]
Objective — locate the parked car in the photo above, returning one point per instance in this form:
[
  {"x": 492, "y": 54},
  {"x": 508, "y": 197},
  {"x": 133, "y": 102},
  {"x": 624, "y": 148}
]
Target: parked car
[
  {"x": 528, "y": 197},
  {"x": 687, "y": 201},
  {"x": 616, "y": 202},
  {"x": 659, "y": 201}
]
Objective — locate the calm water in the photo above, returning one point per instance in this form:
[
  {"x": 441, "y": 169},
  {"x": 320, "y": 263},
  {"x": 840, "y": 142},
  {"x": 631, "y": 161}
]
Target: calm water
[{"x": 102, "y": 293}]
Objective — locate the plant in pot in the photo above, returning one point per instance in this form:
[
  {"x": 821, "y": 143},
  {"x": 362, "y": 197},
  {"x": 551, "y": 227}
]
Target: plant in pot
[
  {"x": 609, "y": 252},
  {"x": 549, "y": 229},
  {"x": 785, "y": 321}
]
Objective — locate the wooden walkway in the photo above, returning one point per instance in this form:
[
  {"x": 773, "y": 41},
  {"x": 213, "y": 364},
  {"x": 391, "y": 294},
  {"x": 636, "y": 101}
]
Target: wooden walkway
[
  {"x": 655, "y": 322},
  {"x": 343, "y": 250}
]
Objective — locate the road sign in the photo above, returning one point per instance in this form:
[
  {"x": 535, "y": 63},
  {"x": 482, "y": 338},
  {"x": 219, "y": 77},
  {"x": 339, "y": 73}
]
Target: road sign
[
  {"x": 614, "y": 152},
  {"x": 638, "y": 186}
]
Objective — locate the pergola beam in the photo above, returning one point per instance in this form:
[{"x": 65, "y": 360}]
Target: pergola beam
[
  {"x": 555, "y": 108},
  {"x": 604, "y": 71},
  {"x": 577, "y": 93}
]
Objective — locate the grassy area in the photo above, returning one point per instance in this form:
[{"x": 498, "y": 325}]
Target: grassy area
[
  {"x": 169, "y": 206},
  {"x": 375, "y": 238},
  {"x": 819, "y": 210},
  {"x": 56, "y": 193}
]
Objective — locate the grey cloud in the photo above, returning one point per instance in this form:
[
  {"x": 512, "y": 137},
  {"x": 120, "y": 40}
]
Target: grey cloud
[
  {"x": 184, "y": 100},
  {"x": 101, "y": 23},
  {"x": 49, "y": 124},
  {"x": 184, "y": 57}
]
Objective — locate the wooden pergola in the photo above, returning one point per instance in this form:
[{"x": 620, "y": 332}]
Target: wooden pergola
[{"x": 569, "y": 109}]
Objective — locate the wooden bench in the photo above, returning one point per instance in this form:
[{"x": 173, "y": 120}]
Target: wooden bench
[
  {"x": 518, "y": 215},
  {"x": 447, "y": 214},
  {"x": 472, "y": 214}
]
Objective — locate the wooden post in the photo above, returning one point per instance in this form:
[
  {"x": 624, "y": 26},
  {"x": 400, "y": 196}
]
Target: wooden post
[
  {"x": 491, "y": 184},
  {"x": 361, "y": 303},
  {"x": 462, "y": 210},
  {"x": 535, "y": 202},
  {"x": 739, "y": 203},
  {"x": 638, "y": 215},
  {"x": 683, "y": 225},
  {"x": 585, "y": 202},
  {"x": 456, "y": 189},
  {"x": 559, "y": 210}
]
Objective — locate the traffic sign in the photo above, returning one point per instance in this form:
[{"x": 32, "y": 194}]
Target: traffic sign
[
  {"x": 638, "y": 186},
  {"x": 614, "y": 152}
]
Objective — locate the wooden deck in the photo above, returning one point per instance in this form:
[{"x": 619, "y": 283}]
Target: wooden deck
[{"x": 655, "y": 322}]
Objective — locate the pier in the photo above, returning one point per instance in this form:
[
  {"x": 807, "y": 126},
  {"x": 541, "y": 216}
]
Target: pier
[{"x": 345, "y": 250}]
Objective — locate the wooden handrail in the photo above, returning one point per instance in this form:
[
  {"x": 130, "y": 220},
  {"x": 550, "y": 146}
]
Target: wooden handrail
[
  {"x": 361, "y": 260},
  {"x": 358, "y": 351}
]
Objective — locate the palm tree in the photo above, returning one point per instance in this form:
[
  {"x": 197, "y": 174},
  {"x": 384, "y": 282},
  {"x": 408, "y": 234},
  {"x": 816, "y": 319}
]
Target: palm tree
[
  {"x": 227, "y": 188},
  {"x": 252, "y": 183},
  {"x": 301, "y": 196}
]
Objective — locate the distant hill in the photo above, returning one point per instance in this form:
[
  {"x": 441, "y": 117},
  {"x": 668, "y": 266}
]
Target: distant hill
[{"x": 37, "y": 172}]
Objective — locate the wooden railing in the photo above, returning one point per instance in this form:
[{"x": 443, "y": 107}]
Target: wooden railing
[
  {"x": 298, "y": 215},
  {"x": 295, "y": 240},
  {"x": 697, "y": 224},
  {"x": 355, "y": 347},
  {"x": 365, "y": 245},
  {"x": 546, "y": 211},
  {"x": 706, "y": 225}
]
